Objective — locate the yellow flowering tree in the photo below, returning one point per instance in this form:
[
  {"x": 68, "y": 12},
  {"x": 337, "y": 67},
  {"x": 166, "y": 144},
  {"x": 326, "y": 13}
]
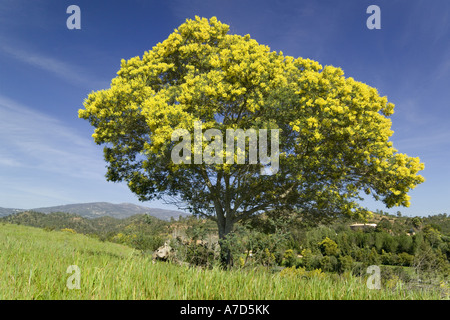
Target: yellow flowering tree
[{"x": 333, "y": 131}]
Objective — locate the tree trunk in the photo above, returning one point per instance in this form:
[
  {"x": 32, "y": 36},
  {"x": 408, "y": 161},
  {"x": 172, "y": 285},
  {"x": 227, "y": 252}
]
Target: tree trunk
[
  {"x": 225, "y": 217},
  {"x": 225, "y": 226}
]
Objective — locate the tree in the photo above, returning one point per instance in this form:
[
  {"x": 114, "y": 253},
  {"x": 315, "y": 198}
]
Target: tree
[
  {"x": 417, "y": 222},
  {"x": 432, "y": 235},
  {"x": 328, "y": 247},
  {"x": 333, "y": 132}
]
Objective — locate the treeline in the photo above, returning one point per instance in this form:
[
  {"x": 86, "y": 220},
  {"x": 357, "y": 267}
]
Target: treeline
[
  {"x": 337, "y": 248},
  {"x": 404, "y": 247}
]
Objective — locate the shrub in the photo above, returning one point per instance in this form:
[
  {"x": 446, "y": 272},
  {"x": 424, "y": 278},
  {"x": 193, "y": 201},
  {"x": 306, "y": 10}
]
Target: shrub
[
  {"x": 316, "y": 273},
  {"x": 345, "y": 263},
  {"x": 145, "y": 242},
  {"x": 289, "y": 258},
  {"x": 68, "y": 230},
  {"x": 328, "y": 247},
  {"x": 373, "y": 258},
  {"x": 328, "y": 263},
  {"x": 405, "y": 259},
  {"x": 390, "y": 244},
  {"x": 265, "y": 257},
  {"x": 309, "y": 260},
  {"x": 405, "y": 243},
  {"x": 200, "y": 255},
  {"x": 386, "y": 257},
  {"x": 293, "y": 272}
]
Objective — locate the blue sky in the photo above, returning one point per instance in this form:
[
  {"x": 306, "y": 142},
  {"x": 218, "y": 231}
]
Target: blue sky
[{"x": 47, "y": 156}]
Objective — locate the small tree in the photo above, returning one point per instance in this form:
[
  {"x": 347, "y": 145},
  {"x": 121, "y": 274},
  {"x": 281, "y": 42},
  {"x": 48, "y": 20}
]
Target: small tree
[
  {"x": 373, "y": 258},
  {"x": 416, "y": 222},
  {"x": 328, "y": 247},
  {"x": 289, "y": 258},
  {"x": 345, "y": 263}
]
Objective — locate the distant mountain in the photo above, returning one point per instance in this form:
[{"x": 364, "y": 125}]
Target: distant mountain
[
  {"x": 8, "y": 211},
  {"x": 100, "y": 209}
]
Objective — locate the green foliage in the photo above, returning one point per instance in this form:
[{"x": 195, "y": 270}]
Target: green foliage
[
  {"x": 384, "y": 224},
  {"x": 405, "y": 243},
  {"x": 328, "y": 247},
  {"x": 373, "y": 258},
  {"x": 34, "y": 264},
  {"x": 405, "y": 259},
  {"x": 416, "y": 222},
  {"x": 203, "y": 255},
  {"x": 268, "y": 242},
  {"x": 345, "y": 263},
  {"x": 289, "y": 258},
  {"x": 442, "y": 220},
  {"x": 143, "y": 232},
  {"x": 432, "y": 235},
  {"x": 329, "y": 263},
  {"x": 425, "y": 250},
  {"x": 310, "y": 260}
]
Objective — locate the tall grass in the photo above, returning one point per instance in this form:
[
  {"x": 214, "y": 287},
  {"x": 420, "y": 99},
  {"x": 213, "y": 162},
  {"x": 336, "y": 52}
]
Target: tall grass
[{"x": 33, "y": 265}]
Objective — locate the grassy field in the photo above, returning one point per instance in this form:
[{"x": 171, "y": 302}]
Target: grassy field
[{"x": 34, "y": 263}]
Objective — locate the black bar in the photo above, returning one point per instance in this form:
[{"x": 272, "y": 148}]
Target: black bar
[{"x": 222, "y": 309}]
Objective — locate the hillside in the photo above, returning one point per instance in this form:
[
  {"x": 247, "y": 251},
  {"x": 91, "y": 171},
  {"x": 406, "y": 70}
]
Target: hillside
[
  {"x": 37, "y": 264},
  {"x": 8, "y": 211},
  {"x": 140, "y": 231},
  {"x": 63, "y": 220},
  {"x": 33, "y": 262},
  {"x": 100, "y": 209}
]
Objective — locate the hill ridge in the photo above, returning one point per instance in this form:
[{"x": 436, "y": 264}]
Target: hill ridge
[{"x": 100, "y": 209}]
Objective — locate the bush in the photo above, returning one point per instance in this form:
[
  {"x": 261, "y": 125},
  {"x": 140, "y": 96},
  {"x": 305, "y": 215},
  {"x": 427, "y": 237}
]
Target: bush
[
  {"x": 145, "y": 242},
  {"x": 391, "y": 276},
  {"x": 373, "y": 258},
  {"x": 328, "y": 247},
  {"x": 329, "y": 263},
  {"x": 390, "y": 244},
  {"x": 405, "y": 243},
  {"x": 293, "y": 272},
  {"x": 289, "y": 258},
  {"x": 200, "y": 255},
  {"x": 386, "y": 257},
  {"x": 309, "y": 260},
  {"x": 405, "y": 259},
  {"x": 317, "y": 274},
  {"x": 68, "y": 230},
  {"x": 345, "y": 263},
  {"x": 265, "y": 257}
]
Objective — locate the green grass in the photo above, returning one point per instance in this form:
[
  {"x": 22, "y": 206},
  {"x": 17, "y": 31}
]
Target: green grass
[{"x": 33, "y": 265}]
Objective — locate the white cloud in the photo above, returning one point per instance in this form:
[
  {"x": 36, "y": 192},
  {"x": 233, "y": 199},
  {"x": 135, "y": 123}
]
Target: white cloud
[
  {"x": 45, "y": 162},
  {"x": 69, "y": 73},
  {"x": 33, "y": 140}
]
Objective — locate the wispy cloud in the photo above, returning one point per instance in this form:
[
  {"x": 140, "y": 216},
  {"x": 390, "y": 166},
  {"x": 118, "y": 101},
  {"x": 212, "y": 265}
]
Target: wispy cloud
[
  {"x": 43, "y": 161},
  {"x": 32, "y": 140},
  {"x": 70, "y": 73}
]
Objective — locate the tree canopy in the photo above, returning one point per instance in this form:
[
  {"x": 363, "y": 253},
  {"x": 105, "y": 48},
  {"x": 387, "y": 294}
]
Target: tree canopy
[{"x": 333, "y": 130}]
